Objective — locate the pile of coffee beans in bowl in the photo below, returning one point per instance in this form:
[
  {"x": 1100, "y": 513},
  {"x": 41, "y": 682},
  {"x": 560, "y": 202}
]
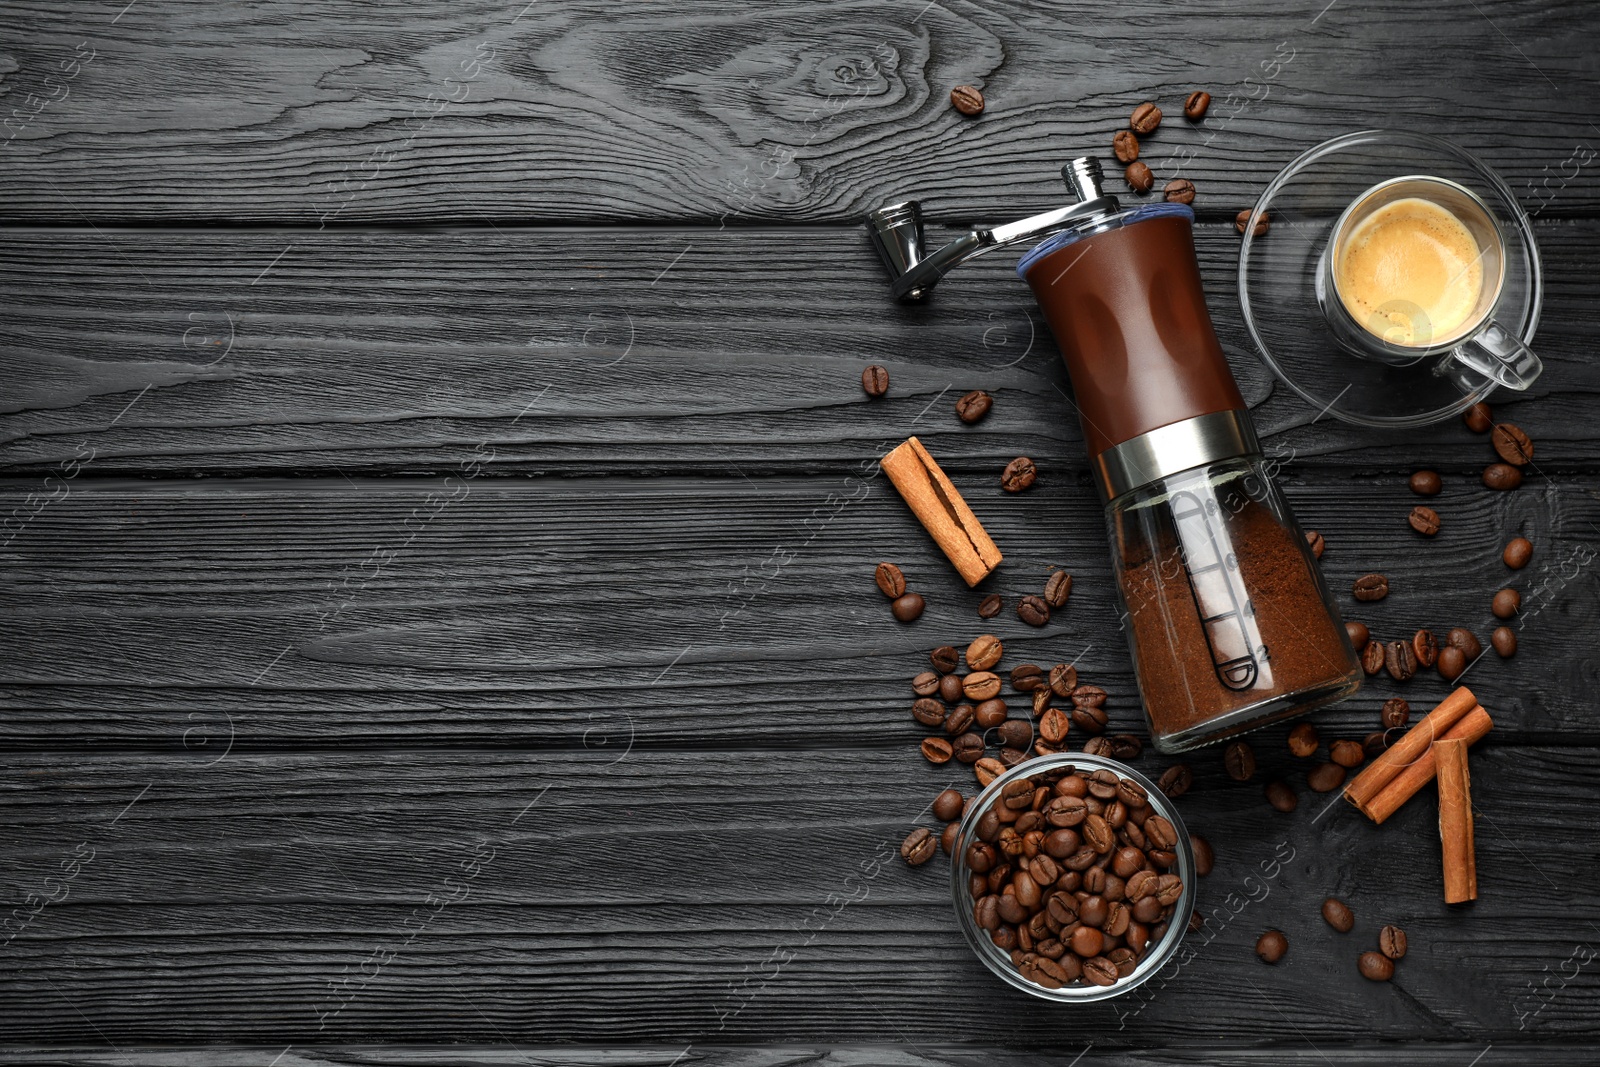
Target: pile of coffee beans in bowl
[{"x": 1076, "y": 869}]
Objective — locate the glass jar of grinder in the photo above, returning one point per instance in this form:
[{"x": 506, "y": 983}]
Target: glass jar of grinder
[{"x": 1228, "y": 620}]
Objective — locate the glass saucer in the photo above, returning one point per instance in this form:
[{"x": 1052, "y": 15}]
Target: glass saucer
[{"x": 1279, "y": 280}]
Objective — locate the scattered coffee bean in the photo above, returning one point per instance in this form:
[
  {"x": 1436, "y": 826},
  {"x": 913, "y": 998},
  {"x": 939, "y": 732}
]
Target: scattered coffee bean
[
  {"x": 1125, "y": 747},
  {"x": 951, "y": 688},
  {"x": 1090, "y": 720},
  {"x": 1518, "y": 551},
  {"x": 984, "y": 652},
  {"x": 1303, "y": 740},
  {"x": 1504, "y": 640},
  {"x": 1064, "y": 680},
  {"x": 1271, "y": 946},
  {"x": 1098, "y": 746},
  {"x": 1512, "y": 445},
  {"x": 1396, "y": 712},
  {"x": 1338, "y": 915},
  {"x": 1325, "y": 777},
  {"x": 1057, "y": 588},
  {"x": 990, "y": 606},
  {"x": 1281, "y": 795},
  {"x": 925, "y": 684},
  {"x": 1370, "y": 587},
  {"x": 1126, "y": 146},
  {"x": 948, "y": 804},
  {"x": 1054, "y": 725},
  {"x": 937, "y": 750},
  {"x": 1424, "y": 520},
  {"x": 1204, "y": 858},
  {"x": 1019, "y": 474},
  {"x": 973, "y": 406},
  {"x": 918, "y": 847},
  {"x": 1425, "y": 647},
  {"x": 1242, "y": 219},
  {"x": 1506, "y": 603},
  {"x": 1239, "y": 760},
  {"x": 1026, "y": 677},
  {"x": 1179, "y": 191},
  {"x": 1139, "y": 177},
  {"x": 968, "y": 748},
  {"x": 1195, "y": 104},
  {"x": 1317, "y": 544},
  {"x": 1375, "y": 966},
  {"x": 987, "y": 770},
  {"x": 1375, "y": 744},
  {"x": 1347, "y": 753},
  {"x": 1392, "y": 942},
  {"x": 1452, "y": 661},
  {"x": 1088, "y": 696},
  {"x": 1501, "y": 476},
  {"x": 1467, "y": 641},
  {"x": 945, "y": 659},
  {"x": 1478, "y": 417},
  {"x": 1033, "y": 610},
  {"x": 875, "y": 380},
  {"x": 1145, "y": 118},
  {"x": 909, "y": 607},
  {"x": 981, "y": 685},
  {"x": 1399, "y": 660},
  {"x": 1372, "y": 657},
  {"x": 990, "y": 713},
  {"x": 967, "y": 99},
  {"x": 928, "y": 712},
  {"x": 962, "y": 718},
  {"x": 891, "y": 582},
  {"x": 1175, "y": 780},
  {"x": 1426, "y": 483},
  {"x": 1358, "y": 634}
]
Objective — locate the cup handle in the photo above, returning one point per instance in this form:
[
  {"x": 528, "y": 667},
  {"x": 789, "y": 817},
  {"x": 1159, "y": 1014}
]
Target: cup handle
[{"x": 1495, "y": 351}]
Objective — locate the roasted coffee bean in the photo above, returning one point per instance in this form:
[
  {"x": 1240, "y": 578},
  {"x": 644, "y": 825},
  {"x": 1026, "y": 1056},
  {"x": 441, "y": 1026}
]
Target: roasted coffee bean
[
  {"x": 1175, "y": 780},
  {"x": 1011, "y": 909},
  {"x": 1325, "y": 777},
  {"x": 1073, "y": 785},
  {"x": 1159, "y": 832},
  {"x": 1128, "y": 862},
  {"x": 945, "y": 659},
  {"x": 1132, "y": 794},
  {"x": 968, "y": 748},
  {"x": 1504, "y": 641},
  {"x": 1452, "y": 661},
  {"x": 1088, "y": 696},
  {"x": 1501, "y": 476},
  {"x": 984, "y": 652},
  {"x": 990, "y": 606},
  {"x": 967, "y": 100},
  {"x": 973, "y": 406},
  {"x": 1066, "y": 811},
  {"x": 1375, "y": 966},
  {"x": 1117, "y": 919},
  {"x": 1141, "y": 884},
  {"x": 1125, "y": 747},
  {"x": 1303, "y": 740},
  {"x": 1519, "y": 550},
  {"x": 1506, "y": 603},
  {"x": 1098, "y": 834},
  {"x": 1092, "y": 911},
  {"x": 918, "y": 847},
  {"x": 981, "y": 685},
  {"x": 988, "y": 826},
  {"x": 1513, "y": 446},
  {"x": 948, "y": 804},
  {"x": 1015, "y": 733},
  {"x": 1424, "y": 520},
  {"x": 1125, "y": 145},
  {"x": 1179, "y": 191},
  {"x": 1033, "y": 610},
  {"x": 1347, "y": 753},
  {"x": 947, "y": 838},
  {"x": 1195, "y": 105},
  {"x": 1478, "y": 417},
  {"x": 961, "y": 719},
  {"x": 1392, "y": 942},
  {"x": 1063, "y": 842},
  {"x": 1426, "y": 483},
  {"x": 1169, "y": 888},
  {"x": 1057, "y": 588},
  {"x": 1263, "y": 223},
  {"x": 1375, "y": 744},
  {"x": 987, "y": 770},
  {"x": 1271, "y": 946},
  {"x": 925, "y": 684},
  {"x": 891, "y": 582},
  {"x": 875, "y": 380},
  {"x": 1145, "y": 118},
  {"x": 1017, "y": 795},
  {"x": 1044, "y": 870},
  {"x": 1370, "y": 587},
  {"x": 1103, "y": 784},
  {"x": 1026, "y": 677},
  {"x": 1098, "y": 746},
  {"x": 928, "y": 712},
  {"x": 1282, "y": 796},
  {"x": 1005, "y": 938},
  {"x": 1091, "y": 720},
  {"x": 1466, "y": 641},
  {"x": 1396, "y": 712},
  {"x": 1139, "y": 177},
  {"x": 1042, "y": 699},
  {"x": 1097, "y": 970},
  {"x": 1204, "y": 857},
  {"x": 1425, "y": 647},
  {"x": 1239, "y": 760},
  {"x": 1064, "y": 680},
  {"x": 1358, "y": 634},
  {"x": 1053, "y": 725},
  {"x": 1338, "y": 915},
  {"x": 937, "y": 750},
  {"x": 951, "y": 688},
  {"x": 1372, "y": 657},
  {"x": 1019, "y": 474},
  {"x": 990, "y": 713},
  {"x": 1399, "y": 660},
  {"x": 1315, "y": 542},
  {"x": 909, "y": 607}
]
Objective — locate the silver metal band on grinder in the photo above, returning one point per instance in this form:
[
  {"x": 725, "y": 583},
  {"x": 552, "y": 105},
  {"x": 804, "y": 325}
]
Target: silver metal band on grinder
[{"x": 1175, "y": 447}]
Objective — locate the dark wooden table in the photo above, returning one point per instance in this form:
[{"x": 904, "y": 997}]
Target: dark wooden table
[{"x": 438, "y": 620}]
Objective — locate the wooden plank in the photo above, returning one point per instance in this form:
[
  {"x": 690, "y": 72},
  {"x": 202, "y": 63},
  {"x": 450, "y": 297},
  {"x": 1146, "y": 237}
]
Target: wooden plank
[
  {"x": 594, "y": 352},
  {"x": 574, "y": 111},
  {"x": 678, "y": 612},
  {"x": 685, "y": 897}
]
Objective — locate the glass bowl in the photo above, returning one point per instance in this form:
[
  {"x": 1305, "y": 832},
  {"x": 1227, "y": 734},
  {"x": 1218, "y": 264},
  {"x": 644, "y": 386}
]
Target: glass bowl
[{"x": 997, "y": 959}]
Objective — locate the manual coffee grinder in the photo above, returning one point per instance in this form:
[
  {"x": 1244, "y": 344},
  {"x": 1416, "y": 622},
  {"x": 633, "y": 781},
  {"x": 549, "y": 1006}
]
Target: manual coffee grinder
[{"x": 1228, "y": 620}]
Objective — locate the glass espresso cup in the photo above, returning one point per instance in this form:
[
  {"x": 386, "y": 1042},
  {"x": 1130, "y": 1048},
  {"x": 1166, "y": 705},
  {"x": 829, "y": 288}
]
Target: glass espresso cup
[{"x": 1412, "y": 271}]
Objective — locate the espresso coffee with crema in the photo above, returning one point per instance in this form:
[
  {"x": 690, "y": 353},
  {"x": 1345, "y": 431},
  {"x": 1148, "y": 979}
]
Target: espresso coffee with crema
[{"x": 1411, "y": 273}]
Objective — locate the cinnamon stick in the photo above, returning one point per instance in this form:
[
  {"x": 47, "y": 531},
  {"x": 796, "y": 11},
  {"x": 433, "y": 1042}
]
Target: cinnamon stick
[
  {"x": 939, "y": 507},
  {"x": 1471, "y": 729},
  {"x": 1455, "y": 820},
  {"x": 1406, "y": 751}
]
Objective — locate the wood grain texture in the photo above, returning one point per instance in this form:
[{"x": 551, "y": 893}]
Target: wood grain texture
[
  {"x": 711, "y": 111},
  {"x": 654, "y": 352},
  {"x": 691, "y": 897}
]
